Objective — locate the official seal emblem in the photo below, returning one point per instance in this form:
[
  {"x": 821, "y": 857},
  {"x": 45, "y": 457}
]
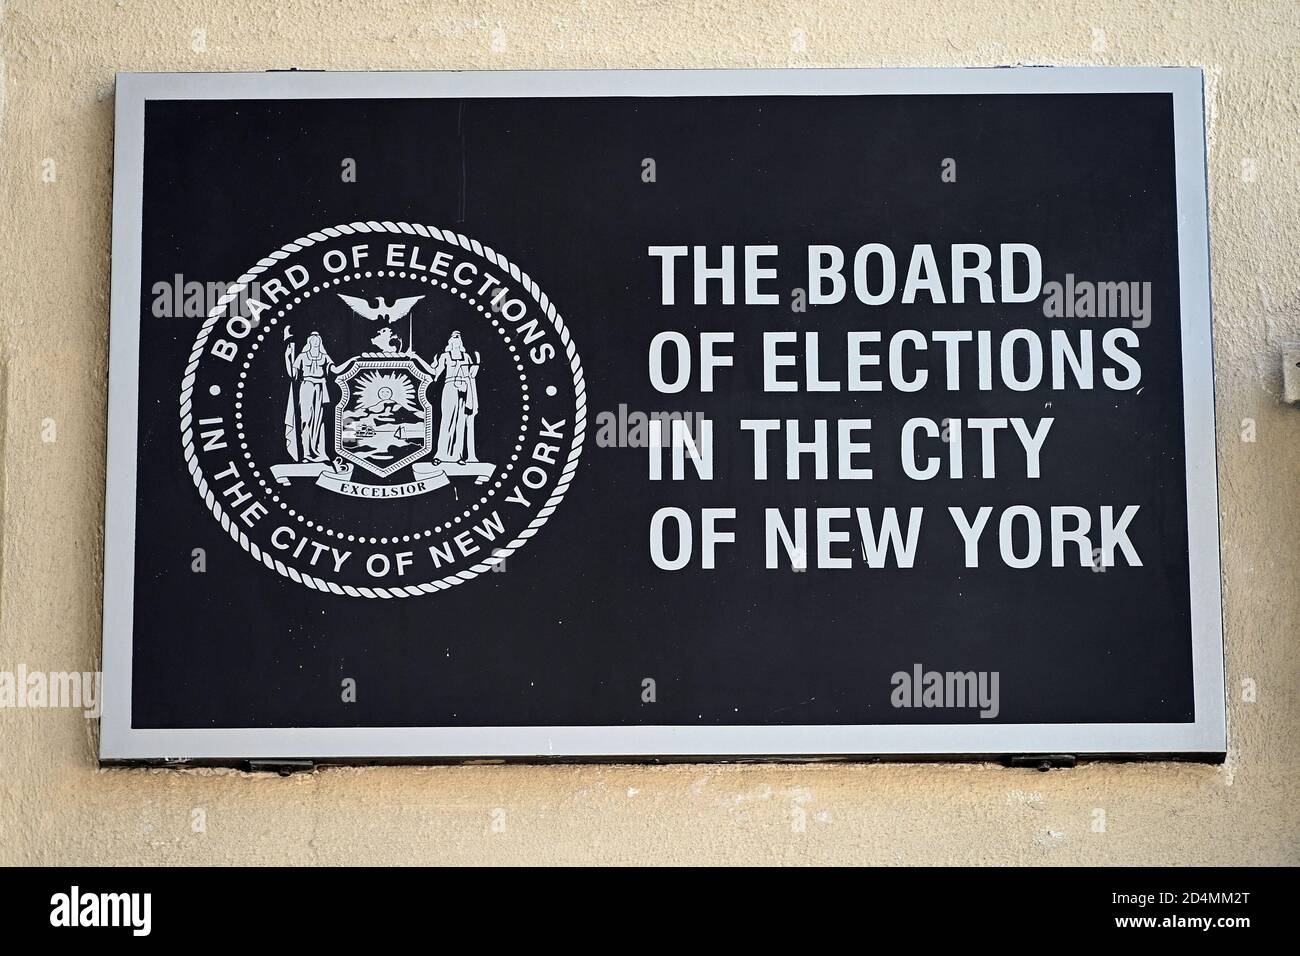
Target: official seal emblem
[{"x": 396, "y": 410}]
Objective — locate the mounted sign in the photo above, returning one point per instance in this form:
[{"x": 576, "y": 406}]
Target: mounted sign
[{"x": 661, "y": 414}]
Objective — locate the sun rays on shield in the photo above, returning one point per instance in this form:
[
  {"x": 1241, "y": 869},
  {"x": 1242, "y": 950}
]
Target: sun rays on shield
[{"x": 375, "y": 388}]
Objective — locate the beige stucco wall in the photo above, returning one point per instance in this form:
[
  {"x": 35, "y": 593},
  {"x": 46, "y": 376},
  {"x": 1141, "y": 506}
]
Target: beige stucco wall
[{"x": 56, "y": 103}]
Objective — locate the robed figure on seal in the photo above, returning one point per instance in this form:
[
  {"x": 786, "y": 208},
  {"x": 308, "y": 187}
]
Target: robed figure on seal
[
  {"x": 459, "y": 371},
  {"x": 304, "y": 416}
]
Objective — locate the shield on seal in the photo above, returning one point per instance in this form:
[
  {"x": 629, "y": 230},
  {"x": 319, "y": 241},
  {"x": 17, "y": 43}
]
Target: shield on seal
[{"x": 383, "y": 420}]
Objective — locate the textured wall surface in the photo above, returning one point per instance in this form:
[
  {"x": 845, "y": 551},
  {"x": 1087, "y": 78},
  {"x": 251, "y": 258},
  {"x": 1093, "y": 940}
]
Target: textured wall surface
[{"x": 56, "y": 132}]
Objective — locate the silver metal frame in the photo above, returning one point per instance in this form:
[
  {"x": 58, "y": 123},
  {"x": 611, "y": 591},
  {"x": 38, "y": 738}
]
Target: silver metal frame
[{"x": 1206, "y": 737}]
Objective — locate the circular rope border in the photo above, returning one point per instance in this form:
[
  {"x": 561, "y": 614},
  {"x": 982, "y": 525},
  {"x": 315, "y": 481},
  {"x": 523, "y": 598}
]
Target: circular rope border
[{"x": 407, "y": 229}]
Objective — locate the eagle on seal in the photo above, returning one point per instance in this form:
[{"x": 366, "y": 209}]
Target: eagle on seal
[{"x": 381, "y": 310}]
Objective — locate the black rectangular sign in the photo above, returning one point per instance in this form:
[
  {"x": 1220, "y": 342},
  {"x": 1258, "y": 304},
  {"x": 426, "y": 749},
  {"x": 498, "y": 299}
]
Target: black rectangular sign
[{"x": 680, "y": 413}]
